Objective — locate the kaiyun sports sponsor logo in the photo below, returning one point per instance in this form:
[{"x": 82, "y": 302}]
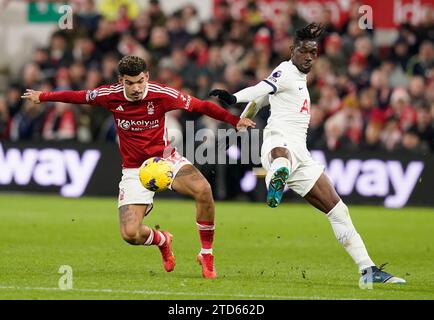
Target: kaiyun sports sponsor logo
[{"x": 137, "y": 125}]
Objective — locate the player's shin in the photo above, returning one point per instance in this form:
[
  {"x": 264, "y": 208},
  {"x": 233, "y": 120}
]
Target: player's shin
[{"x": 347, "y": 235}]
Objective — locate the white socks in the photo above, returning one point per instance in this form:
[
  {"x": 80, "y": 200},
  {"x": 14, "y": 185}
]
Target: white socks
[
  {"x": 276, "y": 164},
  {"x": 347, "y": 235}
]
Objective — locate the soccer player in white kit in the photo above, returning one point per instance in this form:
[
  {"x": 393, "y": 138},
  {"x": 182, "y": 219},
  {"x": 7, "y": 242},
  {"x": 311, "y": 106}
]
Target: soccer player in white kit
[{"x": 284, "y": 153}]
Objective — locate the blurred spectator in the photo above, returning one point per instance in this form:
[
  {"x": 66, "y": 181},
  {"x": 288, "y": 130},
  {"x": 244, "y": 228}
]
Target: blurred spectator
[
  {"x": 316, "y": 128},
  {"x": 77, "y": 74},
  {"x": 423, "y": 61},
  {"x": 141, "y": 26},
  {"x": 329, "y": 101},
  {"x": 59, "y": 123},
  {"x": 411, "y": 142},
  {"x": 27, "y": 123},
  {"x": 416, "y": 89},
  {"x": 109, "y": 68},
  {"x": 401, "y": 109},
  {"x": 13, "y": 99},
  {"x": 58, "y": 51},
  {"x": 123, "y": 20},
  {"x": 84, "y": 51},
  {"x": 253, "y": 16},
  {"x": 191, "y": 19},
  {"x": 333, "y": 52},
  {"x": 106, "y": 38},
  {"x": 391, "y": 135},
  {"x": 88, "y": 17},
  {"x": 295, "y": 20},
  {"x": 380, "y": 83},
  {"x": 372, "y": 136},
  {"x": 4, "y": 119},
  {"x": 183, "y": 67},
  {"x": 156, "y": 14},
  {"x": 424, "y": 127},
  {"x": 197, "y": 51},
  {"x": 179, "y": 37},
  {"x": 110, "y": 8},
  {"x": 159, "y": 44},
  {"x": 129, "y": 46},
  {"x": 400, "y": 54}
]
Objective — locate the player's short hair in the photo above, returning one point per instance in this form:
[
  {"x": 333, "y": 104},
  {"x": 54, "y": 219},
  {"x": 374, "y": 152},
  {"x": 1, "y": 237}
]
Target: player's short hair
[
  {"x": 131, "y": 66},
  {"x": 311, "y": 32}
]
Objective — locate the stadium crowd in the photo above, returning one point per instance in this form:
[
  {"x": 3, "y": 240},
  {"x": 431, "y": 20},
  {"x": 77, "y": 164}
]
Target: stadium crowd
[{"x": 364, "y": 97}]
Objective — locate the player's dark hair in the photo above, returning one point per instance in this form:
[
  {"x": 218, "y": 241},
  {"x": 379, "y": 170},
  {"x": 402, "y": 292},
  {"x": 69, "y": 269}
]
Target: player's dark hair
[
  {"x": 132, "y": 66},
  {"x": 311, "y": 32}
]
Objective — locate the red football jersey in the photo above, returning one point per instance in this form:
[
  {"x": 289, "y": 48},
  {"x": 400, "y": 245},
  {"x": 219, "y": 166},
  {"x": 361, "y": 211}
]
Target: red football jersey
[{"x": 141, "y": 124}]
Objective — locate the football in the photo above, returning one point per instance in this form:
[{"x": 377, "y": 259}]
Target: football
[{"x": 156, "y": 174}]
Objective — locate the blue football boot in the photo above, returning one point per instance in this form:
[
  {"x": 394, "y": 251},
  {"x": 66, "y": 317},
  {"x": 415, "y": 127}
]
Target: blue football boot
[
  {"x": 377, "y": 275},
  {"x": 277, "y": 186}
]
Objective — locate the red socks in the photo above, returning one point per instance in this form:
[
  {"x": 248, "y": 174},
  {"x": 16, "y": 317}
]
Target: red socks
[{"x": 206, "y": 233}]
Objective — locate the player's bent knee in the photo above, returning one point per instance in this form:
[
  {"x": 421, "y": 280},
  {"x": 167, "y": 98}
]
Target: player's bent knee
[{"x": 130, "y": 234}]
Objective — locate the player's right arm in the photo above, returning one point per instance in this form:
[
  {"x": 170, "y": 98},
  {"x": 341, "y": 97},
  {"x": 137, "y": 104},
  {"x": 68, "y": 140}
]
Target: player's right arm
[
  {"x": 253, "y": 107},
  {"x": 76, "y": 97},
  {"x": 267, "y": 86},
  {"x": 248, "y": 94}
]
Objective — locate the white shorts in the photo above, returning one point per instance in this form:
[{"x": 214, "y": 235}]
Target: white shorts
[
  {"x": 131, "y": 190},
  {"x": 304, "y": 170}
]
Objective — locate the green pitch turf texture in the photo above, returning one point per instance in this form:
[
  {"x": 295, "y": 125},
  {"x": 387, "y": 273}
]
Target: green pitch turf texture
[{"x": 285, "y": 253}]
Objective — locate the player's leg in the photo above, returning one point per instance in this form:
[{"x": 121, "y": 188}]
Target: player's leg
[
  {"x": 134, "y": 203},
  {"x": 190, "y": 182},
  {"x": 324, "y": 197},
  {"x": 135, "y": 233},
  {"x": 276, "y": 177}
]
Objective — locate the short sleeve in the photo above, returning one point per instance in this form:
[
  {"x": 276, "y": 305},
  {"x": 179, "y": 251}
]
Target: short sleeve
[{"x": 276, "y": 79}]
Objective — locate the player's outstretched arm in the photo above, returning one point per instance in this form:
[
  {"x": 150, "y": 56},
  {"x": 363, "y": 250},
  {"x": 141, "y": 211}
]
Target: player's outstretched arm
[
  {"x": 248, "y": 94},
  {"x": 216, "y": 112},
  {"x": 77, "y": 97}
]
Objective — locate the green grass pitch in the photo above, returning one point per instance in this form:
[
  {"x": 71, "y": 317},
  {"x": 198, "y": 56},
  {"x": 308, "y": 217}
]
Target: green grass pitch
[{"x": 285, "y": 253}]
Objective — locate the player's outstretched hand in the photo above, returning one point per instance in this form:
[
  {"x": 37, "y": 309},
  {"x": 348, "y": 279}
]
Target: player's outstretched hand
[
  {"x": 224, "y": 96},
  {"x": 244, "y": 123},
  {"x": 32, "y": 95}
]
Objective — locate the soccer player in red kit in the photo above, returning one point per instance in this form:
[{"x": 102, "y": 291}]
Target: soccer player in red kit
[{"x": 138, "y": 107}]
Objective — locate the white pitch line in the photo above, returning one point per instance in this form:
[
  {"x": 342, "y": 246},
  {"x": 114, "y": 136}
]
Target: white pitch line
[{"x": 167, "y": 293}]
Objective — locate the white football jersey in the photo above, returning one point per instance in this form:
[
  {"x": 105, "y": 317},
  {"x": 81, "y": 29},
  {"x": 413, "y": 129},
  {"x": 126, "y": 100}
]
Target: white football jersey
[{"x": 289, "y": 104}]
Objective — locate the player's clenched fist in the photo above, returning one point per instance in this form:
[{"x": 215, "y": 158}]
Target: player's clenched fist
[{"x": 32, "y": 95}]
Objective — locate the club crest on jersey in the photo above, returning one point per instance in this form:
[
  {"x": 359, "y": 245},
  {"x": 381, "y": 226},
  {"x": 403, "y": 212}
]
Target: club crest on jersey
[
  {"x": 91, "y": 94},
  {"x": 277, "y": 74},
  {"x": 150, "y": 108},
  {"x": 186, "y": 100}
]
